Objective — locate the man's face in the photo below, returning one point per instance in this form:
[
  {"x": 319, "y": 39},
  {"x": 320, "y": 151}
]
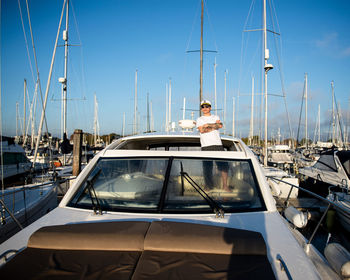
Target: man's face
[{"x": 205, "y": 108}]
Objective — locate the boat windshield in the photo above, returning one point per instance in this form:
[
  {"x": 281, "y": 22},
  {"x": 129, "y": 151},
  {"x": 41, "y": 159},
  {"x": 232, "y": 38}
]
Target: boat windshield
[{"x": 170, "y": 185}]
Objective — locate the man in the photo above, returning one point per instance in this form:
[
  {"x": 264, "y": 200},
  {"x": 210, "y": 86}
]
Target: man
[{"x": 208, "y": 126}]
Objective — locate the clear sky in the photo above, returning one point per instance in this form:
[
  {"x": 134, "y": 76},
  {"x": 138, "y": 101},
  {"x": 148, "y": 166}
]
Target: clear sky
[{"x": 111, "y": 39}]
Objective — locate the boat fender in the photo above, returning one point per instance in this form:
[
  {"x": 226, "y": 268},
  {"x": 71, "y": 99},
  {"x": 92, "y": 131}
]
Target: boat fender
[
  {"x": 276, "y": 190},
  {"x": 296, "y": 217},
  {"x": 339, "y": 259}
]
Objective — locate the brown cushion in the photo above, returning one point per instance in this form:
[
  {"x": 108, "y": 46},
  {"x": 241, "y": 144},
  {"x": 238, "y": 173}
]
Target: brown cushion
[
  {"x": 122, "y": 236},
  {"x": 43, "y": 264},
  {"x": 197, "y": 238},
  {"x": 155, "y": 265}
]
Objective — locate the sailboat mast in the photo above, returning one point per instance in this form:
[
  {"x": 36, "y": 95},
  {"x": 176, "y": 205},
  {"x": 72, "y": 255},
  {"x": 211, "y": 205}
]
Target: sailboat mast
[
  {"x": 225, "y": 104},
  {"x": 319, "y": 123},
  {"x": 216, "y": 108},
  {"x": 265, "y": 63},
  {"x": 167, "y": 108},
  {"x": 233, "y": 116},
  {"x": 333, "y": 115},
  {"x": 148, "y": 120},
  {"x": 17, "y": 121},
  {"x": 201, "y": 61},
  {"x": 306, "y": 141},
  {"x": 184, "y": 109},
  {"x": 24, "y": 109},
  {"x": 64, "y": 85},
  {"x": 267, "y": 68},
  {"x": 95, "y": 120},
  {"x": 135, "y": 105},
  {"x": 169, "y": 112},
  {"x": 251, "y": 130}
]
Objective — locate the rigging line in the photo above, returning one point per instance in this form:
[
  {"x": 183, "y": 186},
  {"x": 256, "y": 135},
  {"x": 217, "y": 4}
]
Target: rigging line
[
  {"x": 279, "y": 61},
  {"x": 29, "y": 119},
  {"x": 193, "y": 23},
  {"x": 81, "y": 49},
  {"x": 36, "y": 64},
  {"x": 25, "y": 39},
  {"x": 242, "y": 46},
  {"x": 211, "y": 26}
]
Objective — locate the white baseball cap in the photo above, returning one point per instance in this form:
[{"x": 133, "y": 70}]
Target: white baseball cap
[{"x": 205, "y": 102}]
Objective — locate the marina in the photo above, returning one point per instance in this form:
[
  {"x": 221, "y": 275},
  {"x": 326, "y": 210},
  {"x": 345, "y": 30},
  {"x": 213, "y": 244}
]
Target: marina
[{"x": 162, "y": 177}]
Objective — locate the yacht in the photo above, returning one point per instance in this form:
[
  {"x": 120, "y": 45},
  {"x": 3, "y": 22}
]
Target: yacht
[
  {"x": 280, "y": 156},
  {"x": 143, "y": 209},
  {"x": 331, "y": 169}
]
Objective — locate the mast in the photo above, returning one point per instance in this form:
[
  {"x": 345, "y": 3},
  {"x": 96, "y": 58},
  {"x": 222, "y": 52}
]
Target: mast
[
  {"x": 148, "y": 120},
  {"x": 306, "y": 141},
  {"x": 152, "y": 120},
  {"x": 251, "y": 130},
  {"x": 216, "y": 108},
  {"x": 169, "y": 103},
  {"x": 233, "y": 117},
  {"x": 135, "y": 105},
  {"x": 184, "y": 109},
  {"x": 167, "y": 108},
  {"x": 24, "y": 113},
  {"x": 63, "y": 80},
  {"x": 225, "y": 104},
  {"x": 17, "y": 121},
  {"x": 201, "y": 62},
  {"x": 123, "y": 129},
  {"x": 267, "y": 67},
  {"x": 319, "y": 123},
  {"x": 333, "y": 115},
  {"x": 95, "y": 120}
]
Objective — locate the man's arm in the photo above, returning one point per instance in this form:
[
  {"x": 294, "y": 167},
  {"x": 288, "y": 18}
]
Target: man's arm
[{"x": 210, "y": 127}]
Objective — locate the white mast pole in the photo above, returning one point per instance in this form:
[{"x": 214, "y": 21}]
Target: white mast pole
[
  {"x": 64, "y": 85},
  {"x": 123, "y": 130},
  {"x": 201, "y": 61},
  {"x": 333, "y": 115},
  {"x": 319, "y": 123},
  {"x": 95, "y": 120},
  {"x": 251, "y": 131},
  {"x": 233, "y": 116},
  {"x": 17, "y": 121},
  {"x": 135, "y": 105},
  {"x": 216, "y": 108},
  {"x": 167, "y": 108},
  {"x": 184, "y": 109},
  {"x": 24, "y": 113},
  {"x": 225, "y": 104},
  {"x": 267, "y": 67},
  {"x": 306, "y": 135},
  {"x": 169, "y": 102},
  {"x": 152, "y": 120}
]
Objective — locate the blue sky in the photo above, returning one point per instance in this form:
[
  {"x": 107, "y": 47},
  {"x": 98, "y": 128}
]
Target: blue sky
[{"x": 114, "y": 38}]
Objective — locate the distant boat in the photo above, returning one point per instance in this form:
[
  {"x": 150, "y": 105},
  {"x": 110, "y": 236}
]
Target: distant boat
[
  {"x": 331, "y": 169},
  {"x": 14, "y": 163},
  {"x": 280, "y": 156}
]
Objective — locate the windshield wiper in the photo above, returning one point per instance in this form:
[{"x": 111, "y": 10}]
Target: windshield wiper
[
  {"x": 219, "y": 211},
  {"x": 90, "y": 186}
]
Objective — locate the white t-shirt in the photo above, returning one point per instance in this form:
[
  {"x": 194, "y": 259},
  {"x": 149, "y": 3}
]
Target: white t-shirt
[{"x": 209, "y": 138}]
